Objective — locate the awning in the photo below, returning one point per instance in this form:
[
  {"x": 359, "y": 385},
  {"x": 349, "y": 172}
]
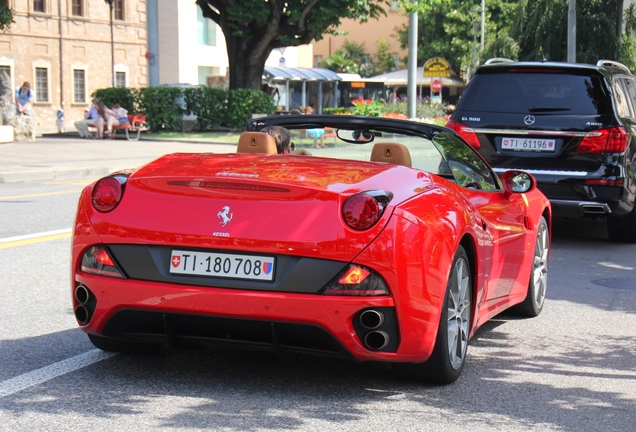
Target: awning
[
  {"x": 277, "y": 74},
  {"x": 400, "y": 78}
]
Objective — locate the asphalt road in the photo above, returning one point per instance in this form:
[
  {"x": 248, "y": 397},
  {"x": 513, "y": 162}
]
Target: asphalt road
[{"x": 571, "y": 369}]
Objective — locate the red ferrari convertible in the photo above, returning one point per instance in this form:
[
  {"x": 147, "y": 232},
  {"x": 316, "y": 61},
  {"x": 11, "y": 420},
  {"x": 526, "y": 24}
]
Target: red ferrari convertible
[{"x": 393, "y": 244}]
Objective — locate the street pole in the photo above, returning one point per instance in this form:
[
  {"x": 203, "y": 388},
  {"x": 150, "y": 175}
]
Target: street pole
[
  {"x": 571, "y": 32},
  {"x": 112, "y": 42},
  {"x": 483, "y": 22},
  {"x": 475, "y": 25},
  {"x": 411, "y": 89}
]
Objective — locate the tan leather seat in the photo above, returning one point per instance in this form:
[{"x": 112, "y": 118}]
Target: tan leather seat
[
  {"x": 256, "y": 142},
  {"x": 393, "y": 153}
]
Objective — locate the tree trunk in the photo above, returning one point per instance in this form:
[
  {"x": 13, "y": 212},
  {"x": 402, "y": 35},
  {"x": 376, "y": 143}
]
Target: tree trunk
[{"x": 246, "y": 63}]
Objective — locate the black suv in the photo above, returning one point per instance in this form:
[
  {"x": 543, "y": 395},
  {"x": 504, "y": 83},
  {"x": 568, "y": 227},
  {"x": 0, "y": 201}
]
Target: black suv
[{"x": 573, "y": 126}]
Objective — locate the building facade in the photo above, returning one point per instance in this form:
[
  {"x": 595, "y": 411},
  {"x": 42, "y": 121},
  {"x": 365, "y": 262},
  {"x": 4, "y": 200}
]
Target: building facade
[
  {"x": 67, "y": 49},
  {"x": 368, "y": 33}
]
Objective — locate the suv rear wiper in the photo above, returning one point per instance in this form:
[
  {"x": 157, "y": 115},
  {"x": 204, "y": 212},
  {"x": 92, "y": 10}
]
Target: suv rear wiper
[{"x": 548, "y": 109}]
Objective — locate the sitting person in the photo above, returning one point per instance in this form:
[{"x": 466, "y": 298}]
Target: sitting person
[
  {"x": 317, "y": 134},
  {"x": 110, "y": 117},
  {"x": 90, "y": 119},
  {"x": 282, "y": 138}
]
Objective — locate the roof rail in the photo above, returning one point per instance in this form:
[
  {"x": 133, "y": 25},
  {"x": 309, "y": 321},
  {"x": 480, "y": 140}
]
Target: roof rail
[
  {"x": 496, "y": 60},
  {"x": 612, "y": 63}
]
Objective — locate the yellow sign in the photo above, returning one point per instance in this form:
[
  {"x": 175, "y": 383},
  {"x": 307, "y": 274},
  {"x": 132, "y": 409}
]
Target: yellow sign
[{"x": 436, "y": 67}]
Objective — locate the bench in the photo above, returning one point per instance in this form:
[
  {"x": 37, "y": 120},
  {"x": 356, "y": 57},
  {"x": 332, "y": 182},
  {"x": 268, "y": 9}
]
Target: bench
[{"x": 136, "y": 123}]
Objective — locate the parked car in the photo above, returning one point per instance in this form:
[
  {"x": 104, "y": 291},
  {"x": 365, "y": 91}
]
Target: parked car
[
  {"x": 572, "y": 126},
  {"x": 392, "y": 248}
]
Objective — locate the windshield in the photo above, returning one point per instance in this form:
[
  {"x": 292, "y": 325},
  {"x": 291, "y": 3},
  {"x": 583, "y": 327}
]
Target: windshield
[
  {"x": 445, "y": 155},
  {"x": 536, "y": 92}
]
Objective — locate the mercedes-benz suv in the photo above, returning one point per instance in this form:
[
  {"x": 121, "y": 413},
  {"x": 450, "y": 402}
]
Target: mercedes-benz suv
[{"x": 573, "y": 126}]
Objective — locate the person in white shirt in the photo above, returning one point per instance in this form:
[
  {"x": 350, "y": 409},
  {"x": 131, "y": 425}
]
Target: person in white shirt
[{"x": 90, "y": 119}]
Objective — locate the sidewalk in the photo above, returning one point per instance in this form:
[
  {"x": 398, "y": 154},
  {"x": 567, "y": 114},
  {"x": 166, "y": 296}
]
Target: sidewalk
[{"x": 66, "y": 158}]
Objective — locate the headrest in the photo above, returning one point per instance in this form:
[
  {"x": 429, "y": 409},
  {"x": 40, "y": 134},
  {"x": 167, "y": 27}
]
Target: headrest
[
  {"x": 393, "y": 153},
  {"x": 256, "y": 142}
]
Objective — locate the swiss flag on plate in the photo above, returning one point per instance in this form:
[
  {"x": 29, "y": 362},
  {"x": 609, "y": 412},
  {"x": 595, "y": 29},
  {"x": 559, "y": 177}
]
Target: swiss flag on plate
[{"x": 176, "y": 260}]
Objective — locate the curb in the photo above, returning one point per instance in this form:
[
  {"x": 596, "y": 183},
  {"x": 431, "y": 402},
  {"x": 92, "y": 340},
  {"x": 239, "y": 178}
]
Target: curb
[{"x": 41, "y": 175}]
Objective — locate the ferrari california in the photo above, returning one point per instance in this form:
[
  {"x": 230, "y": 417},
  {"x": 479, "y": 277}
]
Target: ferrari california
[{"x": 394, "y": 243}]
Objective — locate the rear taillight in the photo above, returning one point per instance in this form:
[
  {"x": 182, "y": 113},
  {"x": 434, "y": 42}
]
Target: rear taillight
[
  {"x": 362, "y": 210},
  {"x": 97, "y": 260},
  {"x": 467, "y": 133},
  {"x": 107, "y": 192},
  {"x": 356, "y": 280},
  {"x": 610, "y": 140}
]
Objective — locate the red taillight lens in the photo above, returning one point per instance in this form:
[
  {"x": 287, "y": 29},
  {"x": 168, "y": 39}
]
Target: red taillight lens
[
  {"x": 610, "y": 140},
  {"x": 356, "y": 280},
  {"x": 467, "y": 133},
  {"x": 361, "y": 211},
  {"x": 97, "y": 260},
  {"x": 107, "y": 193}
]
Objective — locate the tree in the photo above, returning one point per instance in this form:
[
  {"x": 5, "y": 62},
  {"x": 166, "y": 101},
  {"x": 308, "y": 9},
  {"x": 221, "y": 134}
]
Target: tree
[
  {"x": 6, "y": 16},
  {"x": 627, "y": 52},
  {"x": 253, "y": 28},
  {"x": 541, "y": 30},
  {"x": 384, "y": 58},
  {"x": 445, "y": 29}
]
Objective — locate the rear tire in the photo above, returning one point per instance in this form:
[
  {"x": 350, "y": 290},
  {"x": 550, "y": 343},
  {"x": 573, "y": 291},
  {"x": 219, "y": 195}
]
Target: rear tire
[
  {"x": 532, "y": 305},
  {"x": 449, "y": 354},
  {"x": 622, "y": 228},
  {"x": 121, "y": 346}
]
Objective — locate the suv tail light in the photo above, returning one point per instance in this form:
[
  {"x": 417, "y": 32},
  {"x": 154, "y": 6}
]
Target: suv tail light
[
  {"x": 610, "y": 140},
  {"x": 467, "y": 133}
]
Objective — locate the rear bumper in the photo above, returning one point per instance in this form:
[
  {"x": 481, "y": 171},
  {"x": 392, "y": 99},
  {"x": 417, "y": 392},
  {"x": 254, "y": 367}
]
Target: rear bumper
[
  {"x": 571, "y": 196},
  {"x": 155, "y": 312}
]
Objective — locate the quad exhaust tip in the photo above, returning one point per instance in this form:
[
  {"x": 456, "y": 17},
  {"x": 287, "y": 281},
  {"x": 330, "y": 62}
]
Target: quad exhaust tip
[
  {"x": 87, "y": 302},
  {"x": 371, "y": 319}
]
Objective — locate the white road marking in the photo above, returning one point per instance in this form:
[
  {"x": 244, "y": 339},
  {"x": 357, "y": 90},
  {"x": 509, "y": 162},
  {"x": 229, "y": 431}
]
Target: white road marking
[
  {"x": 55, "y": 370},
  {"x": 36, "y": 235}
]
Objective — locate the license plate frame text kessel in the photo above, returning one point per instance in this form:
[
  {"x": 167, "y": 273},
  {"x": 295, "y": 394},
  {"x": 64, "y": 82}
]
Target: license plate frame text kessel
[{"x": 223, "y": 265}]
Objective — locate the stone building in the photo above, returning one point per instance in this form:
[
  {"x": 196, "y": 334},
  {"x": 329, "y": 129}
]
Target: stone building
[{"x": 67, "y": 49}]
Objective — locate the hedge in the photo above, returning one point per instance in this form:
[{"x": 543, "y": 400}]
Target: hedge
[{"x": 164, "y": 107}]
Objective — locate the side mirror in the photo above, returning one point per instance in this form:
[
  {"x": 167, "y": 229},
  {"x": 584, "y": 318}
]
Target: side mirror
[{"x": 518, "y": 182}]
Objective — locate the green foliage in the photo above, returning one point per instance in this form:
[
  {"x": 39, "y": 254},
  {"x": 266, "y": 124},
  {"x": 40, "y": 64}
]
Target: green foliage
[
  {"x": 339, "y": 62},
  {"x": 367, "y": 107},
  {"x": 253, "y": 28},
  {"x": 208, "y": 104},
  {"x": 162, "y": 107},
  {"x": 242, "y": 103},
  {"x": 627, "y": 53},
  {"x": 445, "y": 29},
  {"x": 383, "y": 59},
  {"x": 125, "y": 96},
  {"x": 541, "y": 28},
  {"x": 6, "y": 15}
]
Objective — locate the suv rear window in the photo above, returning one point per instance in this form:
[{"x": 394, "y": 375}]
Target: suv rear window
[{"x": 537, "y": 92}]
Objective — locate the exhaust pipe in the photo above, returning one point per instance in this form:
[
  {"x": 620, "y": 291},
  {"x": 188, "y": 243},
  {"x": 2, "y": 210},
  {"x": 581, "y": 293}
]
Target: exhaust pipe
[
  {"x": 376, "y": 340},
  {"x": 595, "y": 208},
  {"x": 81, "y": 315},
  {"x": 87, "y": 303},
  {"x": 82, "y": 295},
  {"x": 371, "y": 319}
]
